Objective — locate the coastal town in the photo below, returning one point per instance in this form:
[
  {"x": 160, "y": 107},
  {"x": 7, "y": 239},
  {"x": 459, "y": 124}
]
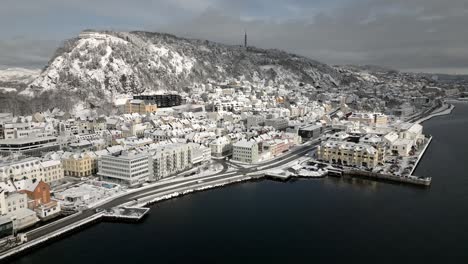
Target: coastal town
[{"x": 59, "y": 168}]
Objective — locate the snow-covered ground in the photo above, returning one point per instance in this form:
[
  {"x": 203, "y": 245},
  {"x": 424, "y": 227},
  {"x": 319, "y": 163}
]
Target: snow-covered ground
[
  {"x": 7, "y": 89},
  {"x": 18, "y": 75},
  {"x": 87, "y": 194}
]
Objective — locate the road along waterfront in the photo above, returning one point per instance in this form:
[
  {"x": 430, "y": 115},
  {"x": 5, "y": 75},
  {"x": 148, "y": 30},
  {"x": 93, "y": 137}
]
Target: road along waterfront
[{"x": 424, "y": 205}]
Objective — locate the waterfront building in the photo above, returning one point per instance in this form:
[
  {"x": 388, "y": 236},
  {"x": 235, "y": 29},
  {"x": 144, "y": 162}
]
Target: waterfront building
[
  {"x": 31, "y": 146},
  {"x": 200, "y": 153},
  {"x": 275, "y": 146},
  {"x": 23, "y": 218},
  {"x": 14, "y": 205},
  {"x": 126, "y": 167},
  {"x": 171, "y": 159},
  {"x": 350, "y": 153},
  {"x": 221, "y": 147},
  {"x": 38, "y": 193},
  {"x": 6, "y": 226},
  {"x": 245, "y": 151},
  {"x": 11, "y": 200},
  {"x": 403, "y": 141}
]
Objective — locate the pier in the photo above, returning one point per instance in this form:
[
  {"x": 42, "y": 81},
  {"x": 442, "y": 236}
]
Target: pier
[
  {"x": 125, "y": 214},
  {"x": 132, "y": 206},
  {"x": 389, "y": 177}
]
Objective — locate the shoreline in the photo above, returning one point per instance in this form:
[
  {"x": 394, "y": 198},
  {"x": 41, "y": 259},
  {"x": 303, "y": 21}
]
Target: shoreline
[
  {"x": 102, "y": 217},
  {"x": 151, "y": 199},
  {"x": 436, "y": 113}
]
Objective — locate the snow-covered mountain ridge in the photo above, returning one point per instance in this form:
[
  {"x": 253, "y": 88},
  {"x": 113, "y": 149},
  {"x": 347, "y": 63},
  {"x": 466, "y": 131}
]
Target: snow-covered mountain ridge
[{"x": 101, "y": 64}]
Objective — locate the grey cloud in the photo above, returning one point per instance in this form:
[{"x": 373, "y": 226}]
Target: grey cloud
[
  {"x": 404, "y": 34},
  {"x": 387, "y": 33},
  {"x": 28, "y": 53}
]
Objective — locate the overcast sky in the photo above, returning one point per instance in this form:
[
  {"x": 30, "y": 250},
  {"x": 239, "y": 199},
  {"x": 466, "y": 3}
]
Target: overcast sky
[{"x": 423, "y": 35}]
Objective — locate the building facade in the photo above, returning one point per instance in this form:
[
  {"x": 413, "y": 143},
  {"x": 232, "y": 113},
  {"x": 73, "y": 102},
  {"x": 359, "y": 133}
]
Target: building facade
[
  {"x": 369, "y": 119},
  {"x": 350, "y": 154},
  {"x": 140, "y": 106},
  {"x": 39, "y": 200},
  {"x": 161, "y": 100},
  {"x": 221, "y": 147},
  {"x": 126, "y": 167},
  {"x": 245, "y": 151},
  {"x": 80, "y": 165},
  {"x": 32, "y": 168},
  {"x": 32, "y": 146},
  {"x": 171, "y": 159}
]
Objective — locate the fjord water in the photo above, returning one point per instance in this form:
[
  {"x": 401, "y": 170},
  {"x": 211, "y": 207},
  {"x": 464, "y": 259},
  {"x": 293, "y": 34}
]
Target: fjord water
[{"x": 330, "y": 219}]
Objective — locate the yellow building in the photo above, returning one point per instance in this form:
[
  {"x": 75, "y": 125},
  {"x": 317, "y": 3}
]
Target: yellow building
[
  {"x": 350, "y": 154},
  {"x": 139, "y": 106},
  {"x": 79, "y": 165}
]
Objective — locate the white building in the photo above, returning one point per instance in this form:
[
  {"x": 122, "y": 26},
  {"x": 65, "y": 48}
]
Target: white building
[
  {"x": 171, "y": 159},
  {"x": 14, "y": 205},
  {"x": 200, "y": 153},
  {"x": 32, "y": 168},
  {"x": 245, "y": 151},
  {"x": 52, "y": 170},
  {"x": 369, "y": 118},
  {"x": 350, "y": 154},
  {"x": 126, "y": 167},
  {"x": 221, "y": 147},
  {"x": 10, "y": 202}
]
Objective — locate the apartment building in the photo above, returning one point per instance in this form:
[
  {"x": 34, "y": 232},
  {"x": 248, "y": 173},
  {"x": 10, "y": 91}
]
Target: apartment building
[
  {"x": 350, "y": 154},
  {"x": 171, "y": 159},
  {"x": 79, "y": 164},
  {"x": 14, "y": 205},
  {"x": 275, "y": 146},
  {"x": 52, "y": 170},
  {"x": 221, "y": 147},
  {"x": 245, "y": 151},
  {"x": 32, "y": 168}
]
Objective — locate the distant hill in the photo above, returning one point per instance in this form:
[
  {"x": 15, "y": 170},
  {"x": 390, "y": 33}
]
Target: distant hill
[{"x": 102, "y": 63}]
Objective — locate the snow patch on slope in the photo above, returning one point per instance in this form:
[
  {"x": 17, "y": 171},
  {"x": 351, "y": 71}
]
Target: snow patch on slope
[{"x": 19, "y": 75}]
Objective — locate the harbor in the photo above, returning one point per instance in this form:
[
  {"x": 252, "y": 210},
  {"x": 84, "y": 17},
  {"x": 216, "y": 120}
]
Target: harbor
[
  {"x": 410, "y": 178},
  {"x": 133, "y": 207}
]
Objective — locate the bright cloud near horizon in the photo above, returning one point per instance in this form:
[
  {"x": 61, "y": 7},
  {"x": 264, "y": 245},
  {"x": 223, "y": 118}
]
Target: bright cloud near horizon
[{"x": 417, "y": 35}]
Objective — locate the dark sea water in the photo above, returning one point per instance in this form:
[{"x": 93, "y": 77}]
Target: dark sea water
[{"x": 306, "y": 221}]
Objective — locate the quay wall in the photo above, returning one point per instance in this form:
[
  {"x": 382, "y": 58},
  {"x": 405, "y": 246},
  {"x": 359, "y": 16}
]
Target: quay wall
[
  {"x": 24, "y": 248},
  {"x": 421, "y": 155},
  {"x": 437, "y": 113},
  {"x": 388, "y": 177},
  {"x": 96, "y": 218}
]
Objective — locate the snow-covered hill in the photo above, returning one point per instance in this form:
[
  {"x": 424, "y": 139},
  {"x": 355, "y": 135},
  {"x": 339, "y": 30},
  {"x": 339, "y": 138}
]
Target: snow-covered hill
[{"x": 101, "y": 64}]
